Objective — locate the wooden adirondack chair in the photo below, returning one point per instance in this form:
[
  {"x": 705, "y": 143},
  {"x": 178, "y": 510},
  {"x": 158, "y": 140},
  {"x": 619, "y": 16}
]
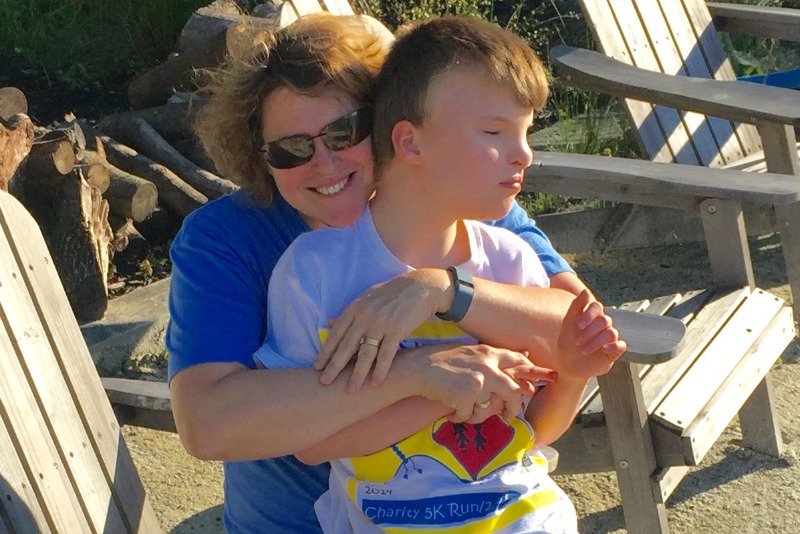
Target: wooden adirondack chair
[
  {"x": 742, "y": 126},
  {"x": 650, "y": 423},
  {"x": 64, "y": 466}
]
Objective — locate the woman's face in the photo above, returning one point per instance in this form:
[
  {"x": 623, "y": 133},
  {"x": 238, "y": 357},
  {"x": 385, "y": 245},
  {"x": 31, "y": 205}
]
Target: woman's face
[{"x": 333, "y": 187}]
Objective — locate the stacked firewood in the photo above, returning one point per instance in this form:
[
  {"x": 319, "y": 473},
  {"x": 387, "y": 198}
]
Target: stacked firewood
[{"x": 95, "y": 187}]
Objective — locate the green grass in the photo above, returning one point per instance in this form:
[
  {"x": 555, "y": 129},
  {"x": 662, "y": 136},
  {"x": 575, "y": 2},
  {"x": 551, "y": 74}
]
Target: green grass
[{"x": 89, "y": 43}]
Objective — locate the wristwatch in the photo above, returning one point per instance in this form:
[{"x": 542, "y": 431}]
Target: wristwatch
[{"x": 465, "y": 290}]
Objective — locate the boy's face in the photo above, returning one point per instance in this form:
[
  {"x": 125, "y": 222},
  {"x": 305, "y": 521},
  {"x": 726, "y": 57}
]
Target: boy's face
[
  {"x": 474, "y": 139},
  {"x": 333, "y": 187}
]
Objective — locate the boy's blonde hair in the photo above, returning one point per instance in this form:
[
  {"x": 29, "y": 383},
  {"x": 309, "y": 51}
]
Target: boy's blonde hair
[
  {"x": 315, "y": 52},
  {"x": 426, "y": 49}
]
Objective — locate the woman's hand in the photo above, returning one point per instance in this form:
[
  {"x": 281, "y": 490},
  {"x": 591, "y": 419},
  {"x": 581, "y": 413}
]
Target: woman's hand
[
  {"x": 467, "y": 377},
  {"x": 372, "y": 327}
]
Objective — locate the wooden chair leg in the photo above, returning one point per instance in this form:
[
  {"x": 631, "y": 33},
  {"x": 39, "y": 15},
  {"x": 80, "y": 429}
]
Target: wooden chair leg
[
  {"x": 632, "y": 446},
  {"x": 759, "y": 420},
  {"x": 788, "y": 221}
]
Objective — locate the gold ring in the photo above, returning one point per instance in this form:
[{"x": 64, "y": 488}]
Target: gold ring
[
  {"x": 483, "y": 404},
  {"x": 370, "y": 341}
]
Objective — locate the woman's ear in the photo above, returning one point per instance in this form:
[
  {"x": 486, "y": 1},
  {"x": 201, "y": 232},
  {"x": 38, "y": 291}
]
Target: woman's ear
[{"x": 404, "y": 140}]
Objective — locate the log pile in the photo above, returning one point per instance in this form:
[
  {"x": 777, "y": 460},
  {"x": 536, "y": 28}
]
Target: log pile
[{"x": 104, "y": 191}]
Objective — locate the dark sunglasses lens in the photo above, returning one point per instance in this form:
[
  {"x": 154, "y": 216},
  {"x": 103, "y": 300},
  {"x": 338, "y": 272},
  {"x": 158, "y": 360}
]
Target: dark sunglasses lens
[
  {"x": 290, "y": 152},
  {"x": 348, "y": 131}
]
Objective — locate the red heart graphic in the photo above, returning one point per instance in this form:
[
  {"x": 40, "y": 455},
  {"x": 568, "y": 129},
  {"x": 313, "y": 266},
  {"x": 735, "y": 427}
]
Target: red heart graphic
[{"x": 474, "y": 446}]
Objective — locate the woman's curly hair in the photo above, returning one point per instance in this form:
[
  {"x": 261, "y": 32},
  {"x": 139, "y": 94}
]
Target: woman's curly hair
[{"x": 315, "y": 52}]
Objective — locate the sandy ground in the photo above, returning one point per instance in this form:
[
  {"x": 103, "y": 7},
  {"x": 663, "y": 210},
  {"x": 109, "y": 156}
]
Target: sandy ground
[{"x": 733, "y": 490}]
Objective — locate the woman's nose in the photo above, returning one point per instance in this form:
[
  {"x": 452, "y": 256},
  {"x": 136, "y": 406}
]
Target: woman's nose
[{"x": 324, "y": 157}]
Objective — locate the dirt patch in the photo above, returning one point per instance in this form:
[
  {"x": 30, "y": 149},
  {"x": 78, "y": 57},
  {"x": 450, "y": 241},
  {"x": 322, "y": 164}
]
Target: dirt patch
[{"x": 733, "y": 490}]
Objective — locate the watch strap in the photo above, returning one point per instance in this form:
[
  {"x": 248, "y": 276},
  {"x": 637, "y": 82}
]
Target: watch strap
[{"x": 464, "y": 291}]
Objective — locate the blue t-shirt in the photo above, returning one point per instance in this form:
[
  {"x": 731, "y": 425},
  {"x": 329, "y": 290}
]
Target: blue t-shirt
[{"x": 222, "y": 260}]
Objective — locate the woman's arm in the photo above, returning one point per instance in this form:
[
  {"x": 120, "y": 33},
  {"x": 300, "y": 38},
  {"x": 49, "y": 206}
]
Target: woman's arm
[
  {"x": 412, "y": 414},
  {"x": 225, "y": 411}
]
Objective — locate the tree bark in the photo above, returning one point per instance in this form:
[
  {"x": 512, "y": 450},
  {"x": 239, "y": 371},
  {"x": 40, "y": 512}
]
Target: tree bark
[
  {"x": 80, "y": 246},
  {"x": 16, "y": 140}
]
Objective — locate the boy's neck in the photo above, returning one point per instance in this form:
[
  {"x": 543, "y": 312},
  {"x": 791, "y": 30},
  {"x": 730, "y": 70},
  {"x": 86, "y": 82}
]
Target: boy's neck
[{"x": 414, "y": 228}]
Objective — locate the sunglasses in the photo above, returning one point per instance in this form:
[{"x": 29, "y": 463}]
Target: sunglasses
[{"x": 344, "y": 132}]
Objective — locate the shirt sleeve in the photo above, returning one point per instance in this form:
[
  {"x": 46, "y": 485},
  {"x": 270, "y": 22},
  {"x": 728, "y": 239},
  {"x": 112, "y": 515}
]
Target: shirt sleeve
[
  {"x": 293, "y": 337},
  {"x": 518, "y": 222},
  {"x": 217, "y": 302}
]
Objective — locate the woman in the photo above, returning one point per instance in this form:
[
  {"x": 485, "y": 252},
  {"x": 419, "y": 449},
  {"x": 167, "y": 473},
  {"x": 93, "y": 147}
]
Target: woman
[{"x": 298, "y": 100}]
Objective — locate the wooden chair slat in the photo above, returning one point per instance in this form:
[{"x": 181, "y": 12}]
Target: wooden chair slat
[
  {"x": 19, "y": 503},
  {"x": 706, "y": 375},
  {"x": 43, "y": 418},
  {"x": 712, "y": 419},
  {"x": 84, "y": 431}
]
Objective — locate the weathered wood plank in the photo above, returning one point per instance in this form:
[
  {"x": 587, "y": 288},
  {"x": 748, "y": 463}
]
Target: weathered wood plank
[
  {"x": 75, "y": 368},
  {"x": 36, "y": 370},
  {"x": 704, "y": 430},
  {"x": 19, "y": 503},
  {"x": 707, "y": 374}
]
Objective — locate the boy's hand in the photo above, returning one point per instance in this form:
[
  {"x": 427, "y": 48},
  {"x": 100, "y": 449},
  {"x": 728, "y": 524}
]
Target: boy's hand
[
  {"x": 587, "y": 327},
  {"x": 597, "y": 332},
  {"x": 372, "y": 327}
]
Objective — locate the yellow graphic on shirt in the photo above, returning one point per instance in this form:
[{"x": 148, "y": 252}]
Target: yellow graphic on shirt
[{"x": 444, "y": 478}]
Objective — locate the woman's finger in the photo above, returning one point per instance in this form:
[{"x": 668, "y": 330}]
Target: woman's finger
[{"x": 364, "y": 360}]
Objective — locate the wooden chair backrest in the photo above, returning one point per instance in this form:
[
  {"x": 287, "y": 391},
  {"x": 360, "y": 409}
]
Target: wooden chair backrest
[
  {"x": 675, "y": 37},
  {"x": 337, "y": 7},
  {"x": 64, "y": 466}
]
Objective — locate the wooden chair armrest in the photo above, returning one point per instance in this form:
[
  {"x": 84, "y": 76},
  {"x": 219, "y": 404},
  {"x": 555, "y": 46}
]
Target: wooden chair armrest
[
  {"x": 670, "y": 185},
  {"x": 140, "y": 403},
  {"x": 651, "y": 338},
  {"x": 738, "y": 101},
  {"x": 758, "y": 21}
]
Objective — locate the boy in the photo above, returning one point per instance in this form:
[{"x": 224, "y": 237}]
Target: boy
[{"x": 454, "y": 101}]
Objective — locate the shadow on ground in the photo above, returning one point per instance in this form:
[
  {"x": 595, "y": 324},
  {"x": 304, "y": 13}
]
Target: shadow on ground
[{"x": 208, "y": 521}]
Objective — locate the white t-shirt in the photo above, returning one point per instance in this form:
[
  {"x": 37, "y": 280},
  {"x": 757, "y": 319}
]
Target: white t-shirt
[{"x": 447, "y": 477}]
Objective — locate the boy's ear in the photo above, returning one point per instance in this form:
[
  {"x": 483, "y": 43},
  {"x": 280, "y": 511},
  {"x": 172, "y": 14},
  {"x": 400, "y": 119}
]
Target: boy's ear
[{"x": 404, "y": 139}]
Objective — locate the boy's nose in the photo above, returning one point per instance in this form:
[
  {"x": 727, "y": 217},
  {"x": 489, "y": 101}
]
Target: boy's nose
[{"x": 522, "y": 155}]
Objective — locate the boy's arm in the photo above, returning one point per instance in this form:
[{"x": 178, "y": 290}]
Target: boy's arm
[
  {"x": 553, "y": 408},
  {"x": 376, "y": 432}
]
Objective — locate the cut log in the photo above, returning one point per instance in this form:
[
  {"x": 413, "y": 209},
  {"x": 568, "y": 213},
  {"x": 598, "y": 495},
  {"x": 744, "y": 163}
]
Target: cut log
[
  {"x": 71, "y": 131},
  {"x": 172, "y": 191},
  {"x": 12, "y": 102},
  {"x": 142, "y": 137},
  {"x": 203, "y": 36},
  {"x": 97, "y": 175},
  {"x": 16, "y": 140},
  {"x": 155, "y": 86},
  {"x": 50, "y": 158},
  {"x": 203, "y": 43},
  {"x": 170, "y": 120},
  {"x": 80, "y": 246},
  {"x": 130, "y": 196}
]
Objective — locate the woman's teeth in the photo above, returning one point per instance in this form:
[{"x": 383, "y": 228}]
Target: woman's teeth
[{"x": 335, "y": 188}]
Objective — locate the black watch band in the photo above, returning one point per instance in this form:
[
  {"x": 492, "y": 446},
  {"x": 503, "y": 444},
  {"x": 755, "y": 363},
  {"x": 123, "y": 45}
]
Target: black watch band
[{"x": 465, "y": 290}]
